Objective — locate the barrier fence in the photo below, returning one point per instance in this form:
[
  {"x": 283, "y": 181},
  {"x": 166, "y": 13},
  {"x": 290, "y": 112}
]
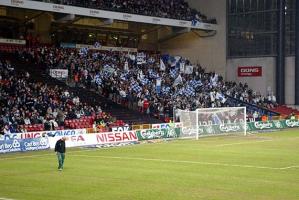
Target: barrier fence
[{"x": 21, "y": 142}]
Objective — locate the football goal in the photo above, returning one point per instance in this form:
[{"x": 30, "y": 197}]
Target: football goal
[{"x": 212, "y": 121}]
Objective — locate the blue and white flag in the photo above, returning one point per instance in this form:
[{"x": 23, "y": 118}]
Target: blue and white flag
[
  {"x": 83, "y": 51},
  {"x": 189, "y": 91},
  {"x": 97, "y": 45},
  {"x": 173, "y": 72},
  {"x": 98, "y": 79}
]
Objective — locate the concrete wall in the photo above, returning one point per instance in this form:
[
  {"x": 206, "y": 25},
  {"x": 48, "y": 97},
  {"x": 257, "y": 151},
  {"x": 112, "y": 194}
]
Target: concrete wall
[
  {"x": 209, "y": 52},
  {"x": 290, "y": 80},
  {"x": 259, "y": 84},
  {"x": 268, "y": 78},
  {"x": 42, "y": 27}
]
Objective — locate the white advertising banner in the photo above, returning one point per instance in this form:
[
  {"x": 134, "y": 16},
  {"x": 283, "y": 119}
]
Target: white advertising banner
[
  {"x": 38, "y": 134},
  {"x": 96, "y": 139},
  {"x": 34, "y": 5},
  {"x": 166, "y": 125},
  {"x": 105, "y": 48}
]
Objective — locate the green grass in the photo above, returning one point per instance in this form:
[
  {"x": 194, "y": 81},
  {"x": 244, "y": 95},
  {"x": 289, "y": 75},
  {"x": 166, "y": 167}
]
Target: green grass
[{"x": 228, "y": 167}]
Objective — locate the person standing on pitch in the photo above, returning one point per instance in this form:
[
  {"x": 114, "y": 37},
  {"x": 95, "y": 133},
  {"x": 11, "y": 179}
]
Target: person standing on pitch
[{"x": 60, "y": 151}]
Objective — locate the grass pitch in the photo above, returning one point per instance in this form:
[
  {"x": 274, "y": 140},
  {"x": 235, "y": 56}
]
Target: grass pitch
[{"x": 262, "y": 166}]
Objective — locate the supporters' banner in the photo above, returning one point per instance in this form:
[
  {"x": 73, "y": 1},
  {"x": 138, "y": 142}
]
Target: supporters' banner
[
  {"x": 59, "y": 73},
  {"x": 96, "y": 139},
  {"x": 19, "y": 145},
  {"x": 151, "y": 134},
  {"x": 105, "y": 48},
  {"x": 249, "y": 71},
  {"x": 12, "y": 41}
]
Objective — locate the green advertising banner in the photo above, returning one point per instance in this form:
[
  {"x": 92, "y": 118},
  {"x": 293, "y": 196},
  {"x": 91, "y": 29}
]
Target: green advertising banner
[
  {"x": 220, "y": 129},
  {"x": 151, "y": 134},
  {"x": 268, "y": 125},
  {"x": 289, "y": 123}
]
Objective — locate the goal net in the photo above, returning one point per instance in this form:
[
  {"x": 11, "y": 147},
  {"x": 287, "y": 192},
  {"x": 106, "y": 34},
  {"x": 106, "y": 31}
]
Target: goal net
[{"x": 212, "y": 121}]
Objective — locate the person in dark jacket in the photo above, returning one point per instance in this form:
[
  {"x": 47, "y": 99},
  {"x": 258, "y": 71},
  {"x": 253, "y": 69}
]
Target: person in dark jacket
[{"x": 60, "y": 151}]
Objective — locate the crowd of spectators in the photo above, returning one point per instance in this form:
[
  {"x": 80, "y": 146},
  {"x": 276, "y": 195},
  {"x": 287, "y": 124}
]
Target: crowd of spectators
[
  {"x": 27, "y": 102},
  {"x": 151, "y": 83},
  {"x": 174, "y": 9}
]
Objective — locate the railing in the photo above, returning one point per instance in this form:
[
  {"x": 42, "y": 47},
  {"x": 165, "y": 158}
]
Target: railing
[{"x": 250, "y": 107}]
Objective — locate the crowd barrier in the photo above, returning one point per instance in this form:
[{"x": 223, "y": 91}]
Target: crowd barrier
[{"x": 21, "y": 142}]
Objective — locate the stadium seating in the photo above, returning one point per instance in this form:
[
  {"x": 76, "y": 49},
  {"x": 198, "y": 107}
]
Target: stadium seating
[
  {"x": 174, "y": 9},
  {"x": 29, "y": 106},
  {"x": 285, "y": 110}
]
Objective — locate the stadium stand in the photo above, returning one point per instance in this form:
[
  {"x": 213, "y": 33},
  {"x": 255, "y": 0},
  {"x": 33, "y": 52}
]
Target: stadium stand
[
  {"x": 174, "y": 9},
  {"x": 152, "y": 83}
]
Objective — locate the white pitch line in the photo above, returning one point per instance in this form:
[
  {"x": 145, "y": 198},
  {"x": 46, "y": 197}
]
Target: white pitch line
[
  {"x": 238, "y": 143},
  {"x": 181, "y": 161},
  {"x": 2, "y": 198},
  {"x": 290, "y": 167}
]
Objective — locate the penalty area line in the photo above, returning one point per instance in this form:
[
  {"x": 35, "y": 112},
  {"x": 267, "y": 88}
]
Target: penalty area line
[{"x": 183, "y": 161}]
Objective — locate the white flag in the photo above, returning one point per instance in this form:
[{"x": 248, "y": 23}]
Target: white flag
[
  {"x": 178, "y": 81},
  {"x": 126, "y": 66},
  {"x": 158, "y": 82},
  {"x": 189, "y": 69},
  {"x": 182, "y": 67},
  {"x": 162, "y": 65}
]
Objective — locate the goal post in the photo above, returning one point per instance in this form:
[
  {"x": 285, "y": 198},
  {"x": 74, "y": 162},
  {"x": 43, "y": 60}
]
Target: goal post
[{"x": 212, "y": 121}]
